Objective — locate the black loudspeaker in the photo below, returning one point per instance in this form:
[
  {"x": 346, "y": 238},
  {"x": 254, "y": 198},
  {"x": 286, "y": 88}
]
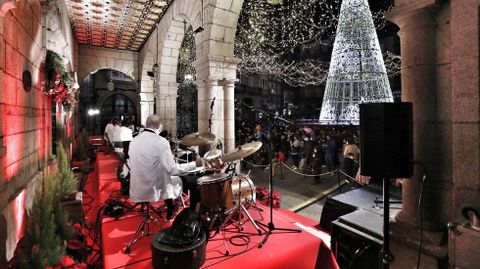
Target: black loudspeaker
[{"x": 386, "y": 140}]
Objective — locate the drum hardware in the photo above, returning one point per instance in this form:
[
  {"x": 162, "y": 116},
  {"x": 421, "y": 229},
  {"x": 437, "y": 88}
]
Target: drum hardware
[
  {"x": 240, "y": 208},
  {"x": 213, "y": 159}
]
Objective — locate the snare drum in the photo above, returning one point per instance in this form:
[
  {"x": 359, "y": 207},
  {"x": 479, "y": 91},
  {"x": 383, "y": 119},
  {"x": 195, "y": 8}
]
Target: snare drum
[
  {"x": 216, "y": 191},
  {"x": 243, "y": 186}
]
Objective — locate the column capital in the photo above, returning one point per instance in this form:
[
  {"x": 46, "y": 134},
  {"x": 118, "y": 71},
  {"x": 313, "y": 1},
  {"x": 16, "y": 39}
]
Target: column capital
[
  {"x": 419, "y": 13},
  {"x": 207, "y": 83},
  {"x": 228, "y": 82}
]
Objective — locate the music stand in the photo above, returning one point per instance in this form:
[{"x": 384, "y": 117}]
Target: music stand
[{"x": 271, "y": 226}]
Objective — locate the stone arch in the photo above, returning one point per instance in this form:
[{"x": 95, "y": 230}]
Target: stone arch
[
  {"x": 94, "y": 90},
  {"x": 95, "y": 58},
  {"x": 214, "y": 53},
  {"x": 83, "y": 77}
]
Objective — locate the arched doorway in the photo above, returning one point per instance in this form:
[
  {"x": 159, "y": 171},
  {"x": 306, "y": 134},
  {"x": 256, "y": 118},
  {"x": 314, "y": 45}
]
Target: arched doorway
[
  {"x": 117, "y": 106},
  {"x": 107, "y": 94},
  {"x": 187, "y": 100}
]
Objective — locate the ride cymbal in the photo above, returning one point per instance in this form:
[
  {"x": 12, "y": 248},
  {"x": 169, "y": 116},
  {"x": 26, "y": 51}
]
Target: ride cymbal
[
  {"x": 242, "y": 151},
  {"x": 198, "y": 139}
]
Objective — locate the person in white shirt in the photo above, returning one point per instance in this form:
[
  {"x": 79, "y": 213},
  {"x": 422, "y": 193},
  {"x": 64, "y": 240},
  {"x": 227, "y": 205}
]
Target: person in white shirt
[
  {"x": 108, "y": 128},
  {"x": 152, "y": 166},
  {"x": 125, "y": 135}
]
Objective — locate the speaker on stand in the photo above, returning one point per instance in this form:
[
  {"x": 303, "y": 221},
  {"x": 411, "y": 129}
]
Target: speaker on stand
[{"x": 386, "y": 152}]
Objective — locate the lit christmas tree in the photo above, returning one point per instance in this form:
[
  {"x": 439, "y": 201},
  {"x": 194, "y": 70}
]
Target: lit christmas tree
[{"x": 357, "y": 72}]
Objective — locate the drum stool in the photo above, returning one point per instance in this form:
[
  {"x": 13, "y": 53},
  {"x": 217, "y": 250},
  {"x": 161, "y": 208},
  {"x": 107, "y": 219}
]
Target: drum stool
[{"x": 145, "y": 208}]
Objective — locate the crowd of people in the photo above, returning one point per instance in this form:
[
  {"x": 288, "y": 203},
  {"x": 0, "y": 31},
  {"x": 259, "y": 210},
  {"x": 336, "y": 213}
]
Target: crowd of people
[{"x": 310, "y": 148}]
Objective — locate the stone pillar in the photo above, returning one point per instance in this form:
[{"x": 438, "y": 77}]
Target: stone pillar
[
  {"x": 147, "y": 103},
  {"x": 166, "y": 103},
  {"x": 210, "y": 71},
  {"x": 418, "y": 37},
  {"x": 229, "y": 113},
  {"x": 418, "y": 50},
  {"x": 210, "y": 108}
]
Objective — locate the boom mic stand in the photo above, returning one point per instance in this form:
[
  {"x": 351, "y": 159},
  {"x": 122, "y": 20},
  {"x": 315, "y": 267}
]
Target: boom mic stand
[{"x": 271, "y": 226}]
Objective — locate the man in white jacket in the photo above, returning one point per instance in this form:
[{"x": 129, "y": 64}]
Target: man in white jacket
[{"x": 152, "y": 165}]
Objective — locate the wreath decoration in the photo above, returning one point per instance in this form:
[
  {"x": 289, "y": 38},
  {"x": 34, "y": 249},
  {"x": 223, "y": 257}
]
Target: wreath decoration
[{"x": 59, "y": 83}]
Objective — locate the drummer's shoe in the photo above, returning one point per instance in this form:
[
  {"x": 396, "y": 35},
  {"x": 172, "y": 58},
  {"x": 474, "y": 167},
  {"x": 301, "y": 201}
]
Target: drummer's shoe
[{"x": 171, "y": 211}]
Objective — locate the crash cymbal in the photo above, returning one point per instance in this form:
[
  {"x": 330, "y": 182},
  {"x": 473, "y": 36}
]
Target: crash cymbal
[
  {"x": 242, "y": 151},
  {"x": 198, "y": 139}
]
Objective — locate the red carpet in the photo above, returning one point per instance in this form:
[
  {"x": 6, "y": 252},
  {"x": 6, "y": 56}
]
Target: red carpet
[{"x": 282, "y": 250}]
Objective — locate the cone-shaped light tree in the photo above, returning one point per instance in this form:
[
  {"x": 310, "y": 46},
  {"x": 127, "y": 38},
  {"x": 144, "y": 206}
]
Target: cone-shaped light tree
[{"x": 357, "y": 72}]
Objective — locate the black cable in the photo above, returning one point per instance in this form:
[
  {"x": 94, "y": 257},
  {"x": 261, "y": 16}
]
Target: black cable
[
  {"x": 242, "y": 237},
  {"x": 132, "y": 263},
  {"x": 363, "y": 247},
  {"x": 420, "y": 199}
]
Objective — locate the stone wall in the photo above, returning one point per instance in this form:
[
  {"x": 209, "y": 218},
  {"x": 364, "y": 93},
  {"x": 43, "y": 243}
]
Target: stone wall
[{"x": 25, "y": 115}]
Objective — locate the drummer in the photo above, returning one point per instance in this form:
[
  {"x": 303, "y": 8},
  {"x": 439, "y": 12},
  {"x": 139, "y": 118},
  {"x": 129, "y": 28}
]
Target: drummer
[{"x": 152, "y": 165}]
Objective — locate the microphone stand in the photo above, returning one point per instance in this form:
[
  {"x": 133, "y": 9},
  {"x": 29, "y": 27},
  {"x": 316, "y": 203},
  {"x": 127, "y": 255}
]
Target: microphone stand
[{"x": 271, "y": 226}]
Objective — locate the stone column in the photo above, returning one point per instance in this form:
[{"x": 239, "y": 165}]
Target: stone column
[
  {"x": 166, "y": 104},
  {"x": 418, "y": 50},
  {"x": 147, "y": 103},
  {"x": 418, "y": 35},
  {"x": 210, "y": 108},
  {"x": 229, "y": 113}
]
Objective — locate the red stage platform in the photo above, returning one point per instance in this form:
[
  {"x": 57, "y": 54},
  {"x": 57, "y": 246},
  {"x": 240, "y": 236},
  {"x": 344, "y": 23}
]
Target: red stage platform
[{"x": 282, "y": 250}]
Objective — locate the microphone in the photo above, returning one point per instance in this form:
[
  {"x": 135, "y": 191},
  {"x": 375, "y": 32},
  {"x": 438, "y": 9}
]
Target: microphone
[{"x": 211, "y": 104}]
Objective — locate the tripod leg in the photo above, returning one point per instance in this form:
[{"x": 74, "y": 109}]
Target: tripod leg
[
  {"x": 135, "y": 237},
  {"x": 251, "y": 219},
  {"x": 225, "y": 242}
]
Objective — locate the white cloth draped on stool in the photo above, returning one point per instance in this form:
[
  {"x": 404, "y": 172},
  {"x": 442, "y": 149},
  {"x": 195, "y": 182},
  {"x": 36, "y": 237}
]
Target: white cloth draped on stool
[{"x": 174, "y": 189}]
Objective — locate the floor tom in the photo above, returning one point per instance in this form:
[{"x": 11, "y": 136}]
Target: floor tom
[{"x": 216, "y": 191}]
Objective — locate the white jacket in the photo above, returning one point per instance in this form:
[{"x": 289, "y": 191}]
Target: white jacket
[{"x": 151, "y": 168}]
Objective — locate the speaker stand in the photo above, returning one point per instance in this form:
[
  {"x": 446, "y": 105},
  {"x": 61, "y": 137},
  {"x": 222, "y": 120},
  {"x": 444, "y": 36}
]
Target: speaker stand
[{"x": 387, "y": 256}]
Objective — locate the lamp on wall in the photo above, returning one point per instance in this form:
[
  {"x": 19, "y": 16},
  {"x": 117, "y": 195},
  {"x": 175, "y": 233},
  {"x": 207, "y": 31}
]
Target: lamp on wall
[
  {"x": 154, "y": 71},
  {"x": 6, "y": 5},
  {"x": 200, "y": 28}
]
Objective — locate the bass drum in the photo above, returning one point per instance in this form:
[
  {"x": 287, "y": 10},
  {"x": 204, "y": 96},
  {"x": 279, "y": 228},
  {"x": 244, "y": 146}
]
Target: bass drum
[{"x": 243, "y": 188}]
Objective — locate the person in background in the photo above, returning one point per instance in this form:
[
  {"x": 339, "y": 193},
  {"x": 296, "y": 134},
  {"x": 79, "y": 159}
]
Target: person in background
[
  {"x": 108, "y": 133},
  {"x": 316, "y": 164},
  {"x": 296, "y": 151},
  {"x": 125, "y": 136},
  {"x": 116, "y": 136},
  {"x": 351, "y": 154},
  {"x": 330, "y": 147}
]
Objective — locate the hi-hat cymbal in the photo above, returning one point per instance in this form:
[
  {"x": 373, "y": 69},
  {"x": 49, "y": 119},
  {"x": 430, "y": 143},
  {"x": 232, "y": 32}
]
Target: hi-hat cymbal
[
  {"x": 198, "y": 139},
  {"x": 242, "y": 151},
  {"x": 212, "y": 154}
]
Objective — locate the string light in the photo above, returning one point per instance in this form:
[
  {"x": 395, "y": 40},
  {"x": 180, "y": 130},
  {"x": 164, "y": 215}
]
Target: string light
[
  {"x": 268, "y": 35},
  {"x": 357, "y": 73},
  {"x": 187, "y": 90}
]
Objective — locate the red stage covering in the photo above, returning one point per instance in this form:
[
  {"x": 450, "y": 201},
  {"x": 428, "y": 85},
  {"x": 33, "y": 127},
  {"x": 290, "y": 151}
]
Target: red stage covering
[{"x": 282, "y": 249}]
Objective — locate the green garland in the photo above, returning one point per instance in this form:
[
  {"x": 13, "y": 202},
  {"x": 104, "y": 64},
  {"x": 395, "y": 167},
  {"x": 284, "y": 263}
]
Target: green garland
[{"x": 56, "y": 77}]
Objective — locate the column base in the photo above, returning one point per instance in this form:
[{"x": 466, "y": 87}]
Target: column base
[{"x": 404, "y": 242}]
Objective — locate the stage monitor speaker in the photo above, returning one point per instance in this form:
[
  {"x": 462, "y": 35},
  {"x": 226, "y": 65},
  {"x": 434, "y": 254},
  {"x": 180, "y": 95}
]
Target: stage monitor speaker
[{"x": 386, "y": 140}]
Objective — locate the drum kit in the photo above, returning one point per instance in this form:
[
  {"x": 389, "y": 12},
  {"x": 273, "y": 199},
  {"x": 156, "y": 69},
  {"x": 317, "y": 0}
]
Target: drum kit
[{"x": 225, "y": 195}]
